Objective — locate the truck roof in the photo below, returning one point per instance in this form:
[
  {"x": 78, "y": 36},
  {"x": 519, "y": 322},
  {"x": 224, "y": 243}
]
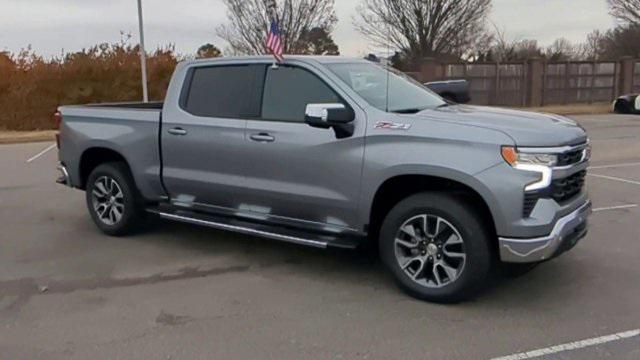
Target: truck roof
[{"x": 303, "y": 58}]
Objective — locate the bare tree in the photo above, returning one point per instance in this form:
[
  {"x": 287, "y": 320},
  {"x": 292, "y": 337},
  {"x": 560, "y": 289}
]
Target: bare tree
[
  {"x": 249, "y": 23},
  {"x": 499, "y": 48},
  {"x": 590, "y": 50},
  {"x": 422, "y": 28},
  {"x": 627, "y": 11},
  {"x": 616, "y": 43},
  {"x": 561, "y": 50}
]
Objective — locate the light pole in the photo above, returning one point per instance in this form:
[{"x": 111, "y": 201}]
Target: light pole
[{"x": 143, "y": 55}]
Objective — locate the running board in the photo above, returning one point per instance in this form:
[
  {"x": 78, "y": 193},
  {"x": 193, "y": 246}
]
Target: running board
[{"x": 299, "y": 237}]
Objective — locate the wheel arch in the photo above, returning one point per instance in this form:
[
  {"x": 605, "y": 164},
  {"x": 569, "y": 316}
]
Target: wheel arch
[
  {"x": 95, "y": 156},
  {"x": 397, "y": 188},
  {"x": 622, "y": 106}
]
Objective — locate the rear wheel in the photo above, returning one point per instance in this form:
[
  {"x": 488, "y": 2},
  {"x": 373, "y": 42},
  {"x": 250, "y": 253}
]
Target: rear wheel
[
  {"x": 113, "y": 200},
  {"x": 436, "y": 247}
]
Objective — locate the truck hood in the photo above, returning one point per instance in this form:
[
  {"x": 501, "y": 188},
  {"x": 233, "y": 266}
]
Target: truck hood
[{"x": 525, "y": 128}]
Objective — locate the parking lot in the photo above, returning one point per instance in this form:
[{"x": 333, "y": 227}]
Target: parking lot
[{"x": 178, "y": 291}]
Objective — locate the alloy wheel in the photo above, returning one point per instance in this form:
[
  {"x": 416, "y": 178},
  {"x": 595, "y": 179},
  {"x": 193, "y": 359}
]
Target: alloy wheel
[
  {"x": 430, "y": 250},
  {"x": 108, "y": 200}
]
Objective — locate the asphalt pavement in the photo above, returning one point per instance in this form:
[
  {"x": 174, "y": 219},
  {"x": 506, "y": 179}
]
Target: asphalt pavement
[{"x": 184, "y": 292}]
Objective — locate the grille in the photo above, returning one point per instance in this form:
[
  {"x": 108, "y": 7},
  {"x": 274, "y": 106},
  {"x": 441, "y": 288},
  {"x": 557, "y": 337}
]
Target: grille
[
  {"x": 530, "y": 201},
  {"x": 570, "y": 158},
  {"x": 564, "y": 189}
]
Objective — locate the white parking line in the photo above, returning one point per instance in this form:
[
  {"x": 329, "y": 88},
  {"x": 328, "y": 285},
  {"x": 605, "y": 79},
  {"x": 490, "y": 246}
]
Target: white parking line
[
  {"x": 42, "y": 153},
  {"x": 615, "y": 166},
  {"x": 616, "y": 179},
  {"x": 630, "y": 206},
  {"x": 571, "y": 346}
]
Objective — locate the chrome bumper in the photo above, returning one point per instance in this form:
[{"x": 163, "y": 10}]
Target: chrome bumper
[
  {"x": 565, "y": 234},
  {"x": 64, "y": 178}
]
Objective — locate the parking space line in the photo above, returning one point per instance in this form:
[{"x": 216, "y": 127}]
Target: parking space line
[
  {"x": 41, "y": 153},
  {"x": 571, "y": 346},
  {"x": 630, "y": 206},
  {"x": 615, "y": 166},
  {"x": 615, "y": 179}
]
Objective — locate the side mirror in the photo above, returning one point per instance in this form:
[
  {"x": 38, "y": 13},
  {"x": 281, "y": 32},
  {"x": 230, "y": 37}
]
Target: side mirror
[
  {"x": 336, "y": 116},
  {"x": 327, "y": 115}
]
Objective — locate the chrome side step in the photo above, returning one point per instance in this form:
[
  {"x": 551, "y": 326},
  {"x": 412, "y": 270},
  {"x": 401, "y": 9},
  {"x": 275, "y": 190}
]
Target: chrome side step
[
  {"x": 245, "y": 230},
  {"x": 295, "y": 235}
]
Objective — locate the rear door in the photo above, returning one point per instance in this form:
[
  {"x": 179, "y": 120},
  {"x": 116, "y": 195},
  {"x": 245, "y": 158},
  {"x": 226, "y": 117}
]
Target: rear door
[
  {"x": 203, "y": 136},
  {"x": 295, "y": 172}
]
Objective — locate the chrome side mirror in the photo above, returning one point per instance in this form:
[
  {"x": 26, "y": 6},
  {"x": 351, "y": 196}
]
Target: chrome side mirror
[{"x": 325, "y": 116}]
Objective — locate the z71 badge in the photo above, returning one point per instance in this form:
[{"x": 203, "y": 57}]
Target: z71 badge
[{"x": 388, "y": 125}]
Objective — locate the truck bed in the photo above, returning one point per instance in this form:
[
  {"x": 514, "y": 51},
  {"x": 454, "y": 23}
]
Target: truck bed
[{"x": 129, "y": 129}]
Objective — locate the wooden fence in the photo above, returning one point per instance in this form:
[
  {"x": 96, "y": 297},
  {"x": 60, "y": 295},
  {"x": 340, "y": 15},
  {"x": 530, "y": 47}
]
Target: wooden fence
[{"x": 537, "y": 82}]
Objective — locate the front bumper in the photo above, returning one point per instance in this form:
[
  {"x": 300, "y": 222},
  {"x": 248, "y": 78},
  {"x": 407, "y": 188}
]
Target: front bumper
[{"x": 567, "y": 231}]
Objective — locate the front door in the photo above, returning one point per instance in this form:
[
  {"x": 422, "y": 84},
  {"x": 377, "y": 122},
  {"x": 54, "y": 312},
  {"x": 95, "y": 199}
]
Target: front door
[{"x": 295, "y": 172}]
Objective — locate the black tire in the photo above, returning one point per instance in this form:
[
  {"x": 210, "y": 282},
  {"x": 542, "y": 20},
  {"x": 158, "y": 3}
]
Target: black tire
[
  {"x": 132, "y": 212},
  {"x": 469, "y": 224}
]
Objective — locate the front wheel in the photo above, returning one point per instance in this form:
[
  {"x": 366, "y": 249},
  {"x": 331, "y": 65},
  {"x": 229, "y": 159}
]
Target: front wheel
[
  {"x": 436, "y": 247},
  {"x": 113, "y": 200}
]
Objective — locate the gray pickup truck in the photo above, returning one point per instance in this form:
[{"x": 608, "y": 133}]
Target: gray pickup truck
[{"x": 336, "y": 152}]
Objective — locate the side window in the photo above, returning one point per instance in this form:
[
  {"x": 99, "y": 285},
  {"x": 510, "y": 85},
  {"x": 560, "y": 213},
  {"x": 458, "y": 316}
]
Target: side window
[
  {"x": 223, "y": 91},
  {"x": 288, "y": 90}
]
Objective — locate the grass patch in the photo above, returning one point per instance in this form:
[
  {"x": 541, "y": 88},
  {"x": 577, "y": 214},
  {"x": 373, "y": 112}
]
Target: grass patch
[{"x": 13, "y": 137}]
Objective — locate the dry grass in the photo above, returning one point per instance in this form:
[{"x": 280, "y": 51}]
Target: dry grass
[
  {"x": 574, "y": 109},
  {"x": 12, "y": 137}
]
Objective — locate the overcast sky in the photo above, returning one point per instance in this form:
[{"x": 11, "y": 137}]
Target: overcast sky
[{"x": 53, "y": 25}]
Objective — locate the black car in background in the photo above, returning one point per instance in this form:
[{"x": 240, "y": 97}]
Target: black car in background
[{"x": 456, "y": 91}]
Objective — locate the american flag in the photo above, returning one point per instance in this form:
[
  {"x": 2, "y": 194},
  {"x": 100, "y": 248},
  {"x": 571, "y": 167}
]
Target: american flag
[{"x": 274, "y": 38}]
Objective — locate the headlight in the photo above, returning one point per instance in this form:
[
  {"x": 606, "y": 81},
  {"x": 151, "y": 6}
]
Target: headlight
[
  {"x": 515, "y": 158},
  {"x": 535, "y": 162}
]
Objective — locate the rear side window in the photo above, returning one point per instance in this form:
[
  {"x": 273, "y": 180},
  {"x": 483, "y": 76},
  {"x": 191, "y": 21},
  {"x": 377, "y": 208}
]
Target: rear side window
[
  {"x": 288, "y": 90},
  {"x": 223, "y": 91}
]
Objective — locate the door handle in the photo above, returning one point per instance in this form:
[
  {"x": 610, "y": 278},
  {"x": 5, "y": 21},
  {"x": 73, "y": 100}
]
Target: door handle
[
  {"x": 177, "y": 131},
  {"x": 262, "y": 137}
]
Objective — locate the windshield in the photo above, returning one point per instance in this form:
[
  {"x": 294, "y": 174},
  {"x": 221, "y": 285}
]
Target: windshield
[{"x": 373, "y": 82}]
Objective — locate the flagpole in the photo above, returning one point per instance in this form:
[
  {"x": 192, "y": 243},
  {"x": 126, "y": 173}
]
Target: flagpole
[{"x": 143, "y": 55}]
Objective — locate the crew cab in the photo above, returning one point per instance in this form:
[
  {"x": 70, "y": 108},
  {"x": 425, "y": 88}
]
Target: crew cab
[{"x": 337, "y": 152}]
